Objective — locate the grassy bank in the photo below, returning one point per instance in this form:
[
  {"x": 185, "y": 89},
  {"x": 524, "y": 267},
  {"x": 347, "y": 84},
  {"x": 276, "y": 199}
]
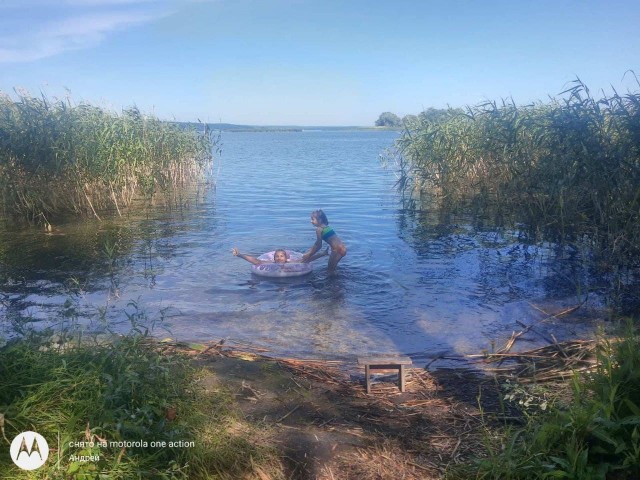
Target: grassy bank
[
  {"x": 78, "y": 396},
  {"x": 569, "y": 169},
  {"x": 587, "y": 428},
  {"x": 58, "y": 158},
  {"x": 240, "y": 414}
]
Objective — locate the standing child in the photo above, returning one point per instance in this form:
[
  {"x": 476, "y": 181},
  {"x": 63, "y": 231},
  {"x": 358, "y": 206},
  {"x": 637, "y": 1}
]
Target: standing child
[{"x": 326, "y": 233}]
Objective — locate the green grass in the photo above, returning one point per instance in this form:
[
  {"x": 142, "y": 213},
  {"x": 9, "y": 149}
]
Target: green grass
[
  {"x": 118, "y": 391},
  {"x": 57, "y": 158},
  {"x": 594, "y": 436}
]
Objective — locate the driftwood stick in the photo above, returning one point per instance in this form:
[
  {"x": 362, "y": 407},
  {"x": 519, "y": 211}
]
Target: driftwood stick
[{"x": 515, "y": 336}]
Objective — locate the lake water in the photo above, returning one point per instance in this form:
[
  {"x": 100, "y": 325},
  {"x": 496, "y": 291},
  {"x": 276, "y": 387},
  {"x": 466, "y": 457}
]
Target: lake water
[{"x": 449, "y": 285}]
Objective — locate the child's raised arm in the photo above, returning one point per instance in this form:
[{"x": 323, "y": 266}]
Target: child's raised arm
[{"x": 246, "y": 257}]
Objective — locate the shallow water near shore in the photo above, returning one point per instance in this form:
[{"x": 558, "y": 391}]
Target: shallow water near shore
[{"x": 440, "y": 287}]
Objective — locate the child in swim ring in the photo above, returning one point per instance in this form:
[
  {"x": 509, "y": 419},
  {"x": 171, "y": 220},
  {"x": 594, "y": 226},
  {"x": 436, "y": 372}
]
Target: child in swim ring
[
  {"x": 326, "y": 233},
  {"x": 279, "y": 256}
]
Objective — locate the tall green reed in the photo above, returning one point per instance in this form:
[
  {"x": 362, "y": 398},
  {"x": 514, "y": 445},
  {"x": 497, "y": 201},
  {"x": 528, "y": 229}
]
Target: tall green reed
[
  {"x": 568, "y": 168},
  {"x": 58, "y": 158}
]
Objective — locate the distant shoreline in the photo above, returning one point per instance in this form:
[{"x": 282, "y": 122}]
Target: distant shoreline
[{"x": 229, "y": 127}]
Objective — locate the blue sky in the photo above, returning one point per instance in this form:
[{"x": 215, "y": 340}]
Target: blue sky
[{"x": 320, "y": 62}]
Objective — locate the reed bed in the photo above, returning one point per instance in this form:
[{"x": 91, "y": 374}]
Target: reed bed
[
  {"x": 569, "y": 168},
  {"x": 57, "y": 158}
]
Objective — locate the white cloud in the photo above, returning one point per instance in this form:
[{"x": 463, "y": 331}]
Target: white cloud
[{"x": 32, "y": 34}]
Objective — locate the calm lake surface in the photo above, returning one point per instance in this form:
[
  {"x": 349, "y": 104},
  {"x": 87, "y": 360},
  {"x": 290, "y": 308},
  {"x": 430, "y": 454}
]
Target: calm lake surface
[{"x": 450, "y": 285}]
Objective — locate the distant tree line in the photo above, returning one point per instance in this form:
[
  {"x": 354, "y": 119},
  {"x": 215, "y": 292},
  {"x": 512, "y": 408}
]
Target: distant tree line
[{"x": 388, "y": 119}]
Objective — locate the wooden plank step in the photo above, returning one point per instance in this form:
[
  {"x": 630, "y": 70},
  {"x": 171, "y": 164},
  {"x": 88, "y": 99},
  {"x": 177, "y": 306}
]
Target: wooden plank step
[{"x": 384, "y": 362}]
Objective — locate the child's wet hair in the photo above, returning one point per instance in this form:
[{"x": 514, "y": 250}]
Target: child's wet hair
[
  {"x": 281, "y": 250},
  {"x": 320, "y": 215}
]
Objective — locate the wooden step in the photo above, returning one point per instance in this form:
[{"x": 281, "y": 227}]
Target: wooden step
[{"x": 384, "y": 362}]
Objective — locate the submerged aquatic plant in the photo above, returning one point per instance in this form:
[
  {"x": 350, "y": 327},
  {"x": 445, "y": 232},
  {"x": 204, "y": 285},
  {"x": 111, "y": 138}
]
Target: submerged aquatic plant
[{"x": 60, "y": 158}]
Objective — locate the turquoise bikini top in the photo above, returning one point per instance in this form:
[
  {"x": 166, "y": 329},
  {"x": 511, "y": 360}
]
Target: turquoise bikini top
[{"x": 327, "y": 232}]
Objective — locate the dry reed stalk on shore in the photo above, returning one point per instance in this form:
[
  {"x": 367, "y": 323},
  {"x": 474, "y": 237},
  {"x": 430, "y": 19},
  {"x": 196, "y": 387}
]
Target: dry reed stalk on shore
[
  {"x": 553, "y": 362},
  {"x": 453, "y": 432}
]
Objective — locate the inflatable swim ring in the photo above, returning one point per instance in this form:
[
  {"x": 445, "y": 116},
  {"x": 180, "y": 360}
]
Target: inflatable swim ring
[{"x": 293, "y": 268}]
